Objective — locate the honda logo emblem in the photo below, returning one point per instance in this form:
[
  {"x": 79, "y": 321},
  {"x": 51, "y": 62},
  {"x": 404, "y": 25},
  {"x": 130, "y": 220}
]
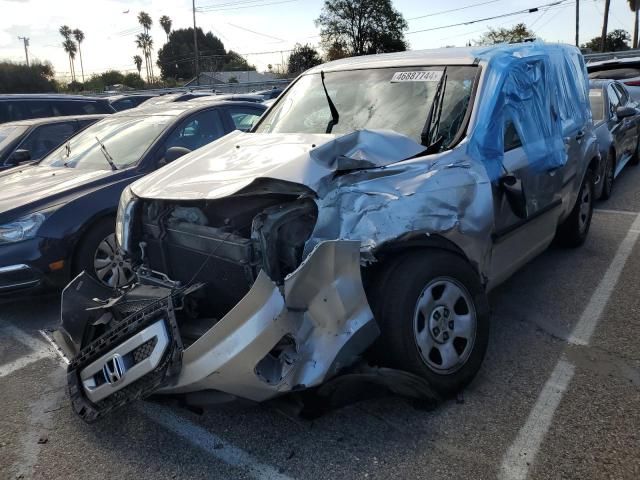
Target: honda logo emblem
[{"x": 114, "y": 369}]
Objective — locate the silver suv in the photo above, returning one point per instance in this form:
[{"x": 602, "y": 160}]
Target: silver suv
[{"x": 362, "y": 220}]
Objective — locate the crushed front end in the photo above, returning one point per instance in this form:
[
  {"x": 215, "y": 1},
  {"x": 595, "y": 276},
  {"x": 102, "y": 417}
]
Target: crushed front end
[{"x": 236, "y": 309}]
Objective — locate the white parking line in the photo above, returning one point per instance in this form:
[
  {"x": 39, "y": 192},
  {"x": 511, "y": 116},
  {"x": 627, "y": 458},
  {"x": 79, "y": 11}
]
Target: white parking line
[
  {"x": 615, "y": 212},
  {"x": 38, "y": 349},
  {"x": 521, "y": 454},
  {"x": 589, "y": 319},
  {"x": 209, "y": 442}
]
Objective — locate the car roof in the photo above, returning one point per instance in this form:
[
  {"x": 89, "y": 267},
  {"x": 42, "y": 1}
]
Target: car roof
[
  {"x": 48, "y": 96},
  {"x": 175, "y": 109},
  {"x": 48, "y": 120},
  {"x": 437, "y": 56}
]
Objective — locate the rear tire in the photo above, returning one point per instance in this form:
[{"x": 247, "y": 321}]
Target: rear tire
[
  {"x": 608, "y": 177},
  {"x": 574, "y": 230},
  {"x": 434, "y": 318},
  {"x": 635, "y": 160},
  {"x": 98, "y": 255}
]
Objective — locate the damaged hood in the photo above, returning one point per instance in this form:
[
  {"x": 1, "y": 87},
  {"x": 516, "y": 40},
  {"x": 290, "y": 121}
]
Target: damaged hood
[{"x": 233, "y": 162}]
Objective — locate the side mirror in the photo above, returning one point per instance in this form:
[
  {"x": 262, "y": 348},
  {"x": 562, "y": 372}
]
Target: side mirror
[
  {"x": 175, "y": 153},
  {"x": 625, "y": 112},
  {"x": 18, "y": 157},
  {"x": 514, "y": 191}
]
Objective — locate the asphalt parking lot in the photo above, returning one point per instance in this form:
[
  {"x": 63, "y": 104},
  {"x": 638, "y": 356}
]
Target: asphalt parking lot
[{"x": 558, "y": 395}]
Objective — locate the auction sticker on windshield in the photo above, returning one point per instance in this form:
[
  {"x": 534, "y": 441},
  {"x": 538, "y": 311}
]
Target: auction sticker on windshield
[{"x": 421, "y": 76}]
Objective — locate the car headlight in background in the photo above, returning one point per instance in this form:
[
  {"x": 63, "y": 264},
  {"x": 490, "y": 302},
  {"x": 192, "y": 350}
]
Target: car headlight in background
[
  {"x": 123, "y": 219},
  {"x": 21, "y": 229}
]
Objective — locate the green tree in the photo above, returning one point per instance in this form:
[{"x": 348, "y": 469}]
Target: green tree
[
  {"x": 176, "y": 57},
  {"x": 362, "y": 26},
  {"x": 165, "y": 23},
  {"x": 134, "y": 81},
  {"x": 517, "y": 33},
  {"x": 18, "y": 78},
  {"x": 336, "y": 51},
  {"x": 302, "y": 58},
  {"x": 616, "y": 41},
  {"x": 79, "y": 36}
]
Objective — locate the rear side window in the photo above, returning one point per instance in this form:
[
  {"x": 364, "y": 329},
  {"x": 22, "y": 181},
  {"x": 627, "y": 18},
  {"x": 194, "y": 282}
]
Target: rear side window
[
  {"x": 24, "y": 109},
  {"x": 616, "y": 73},
  {"x": 597, "y": 104},
  {"x": 77, "y": 107},
  {"x": 47, "y": 137}
]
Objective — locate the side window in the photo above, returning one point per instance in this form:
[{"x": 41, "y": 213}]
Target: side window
[
  {"x": 10, "y": 111},
  {"x": 597, "y": 105},
  {"x": 511, "y": 137},
  {"x": 47, "y": 137},
  {"x": 244, "y": 118},
  {"x": 614, "y": 101},
  {"x": 196, "y": 131},
  {"x": 37, "y": 109},
  {"x": 84, "y": 123}
]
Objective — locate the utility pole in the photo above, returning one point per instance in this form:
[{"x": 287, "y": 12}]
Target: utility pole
[
  {"x": 635, "y": 31},
  {"x": 195, "y": 43},
  {"x": 603, "y": 36},
  {"x": 578, "y": 23},
  {"x": 25, "y": 40}
]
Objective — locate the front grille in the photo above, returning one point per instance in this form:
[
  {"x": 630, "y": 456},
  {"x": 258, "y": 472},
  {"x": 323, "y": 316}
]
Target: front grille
[{"x": 144, "y": 351}]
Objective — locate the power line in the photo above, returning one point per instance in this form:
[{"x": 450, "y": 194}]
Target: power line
[
  {"x": 454, "y": 9},
  {"x": 256, "y": 33},
  {"x": 208, "y": 10},
  {"x": 470, "y": 22}
]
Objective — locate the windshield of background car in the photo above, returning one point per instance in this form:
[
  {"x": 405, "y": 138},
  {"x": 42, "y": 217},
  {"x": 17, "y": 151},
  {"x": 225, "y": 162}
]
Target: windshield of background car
[
  {"x": 9, "y": 132},
  {"x": 374, "y": 99},
  {"x": 125, "y": 138}
]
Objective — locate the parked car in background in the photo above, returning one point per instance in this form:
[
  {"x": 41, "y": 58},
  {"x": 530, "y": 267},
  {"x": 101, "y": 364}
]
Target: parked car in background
[
  {"x": 270, "y": 94},
  {"x": 57, "y": 217},
  {"x": 368, "y": 212},
  {"x": 625, "y": 70},
  {"x": 30, "y": 140},
  {"x": 240, "y": 97},
  {"x": 125, "y": 102},
  {"x": 617, "y": 124},
  {"x": 176, "y": 97},
  {"x": 23, "y": 107}
]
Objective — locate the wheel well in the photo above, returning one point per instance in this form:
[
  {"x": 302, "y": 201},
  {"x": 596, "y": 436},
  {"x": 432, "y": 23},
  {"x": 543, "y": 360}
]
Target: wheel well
[
  {"x": 612, "y": 151},
  {"x": 593, "y": 164},
  {"x": 388, "y": 254},
  {"x": 82, "y": 233}
]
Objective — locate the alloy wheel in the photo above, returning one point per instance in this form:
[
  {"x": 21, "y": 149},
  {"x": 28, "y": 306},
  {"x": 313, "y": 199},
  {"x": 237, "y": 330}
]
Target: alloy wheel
[
  {"x": 445, "y": 325},
  {"x": 110, "y": 266},
  {"x": 585, "y": 208}
]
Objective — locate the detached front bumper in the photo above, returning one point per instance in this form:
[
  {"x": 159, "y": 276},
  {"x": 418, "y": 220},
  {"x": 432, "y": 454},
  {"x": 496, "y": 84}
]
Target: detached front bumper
[{"x": 275, "y": 340}]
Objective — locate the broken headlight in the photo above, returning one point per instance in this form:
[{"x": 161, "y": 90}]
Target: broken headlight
[
  {"x": 123, "y": 219},
  {"x": 21, "y": 229}
]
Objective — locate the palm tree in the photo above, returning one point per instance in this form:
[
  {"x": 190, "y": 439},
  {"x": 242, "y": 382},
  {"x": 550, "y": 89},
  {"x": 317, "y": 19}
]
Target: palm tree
[
  {"x": 145, "y": 42},
  {"x": 69, "y": 47},
  {"x": 137, "y": 59},
  {"x": 165, "y": 23},
  {"x": 79, "y": 36}
]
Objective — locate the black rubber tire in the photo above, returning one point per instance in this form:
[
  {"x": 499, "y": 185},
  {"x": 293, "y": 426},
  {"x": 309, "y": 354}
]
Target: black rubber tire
[
  {"x": 635, "y": 160},
  {"x": 607, "y": 182},
  {"x": 393, "y": 302},
  {"x": 569, "y": 233},
  {"x": 88, "y": 244}
]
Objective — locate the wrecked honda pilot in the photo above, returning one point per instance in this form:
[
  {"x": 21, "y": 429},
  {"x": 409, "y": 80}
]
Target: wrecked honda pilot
[{"x": 362, "y": 220}]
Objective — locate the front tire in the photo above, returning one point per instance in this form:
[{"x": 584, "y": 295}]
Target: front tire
[
  {"x": 98, "y": 255},
  {"x": 434, "y": 319}
]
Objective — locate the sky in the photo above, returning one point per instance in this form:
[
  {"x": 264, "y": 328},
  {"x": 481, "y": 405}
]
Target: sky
[{"x": 265, "y": 30}]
